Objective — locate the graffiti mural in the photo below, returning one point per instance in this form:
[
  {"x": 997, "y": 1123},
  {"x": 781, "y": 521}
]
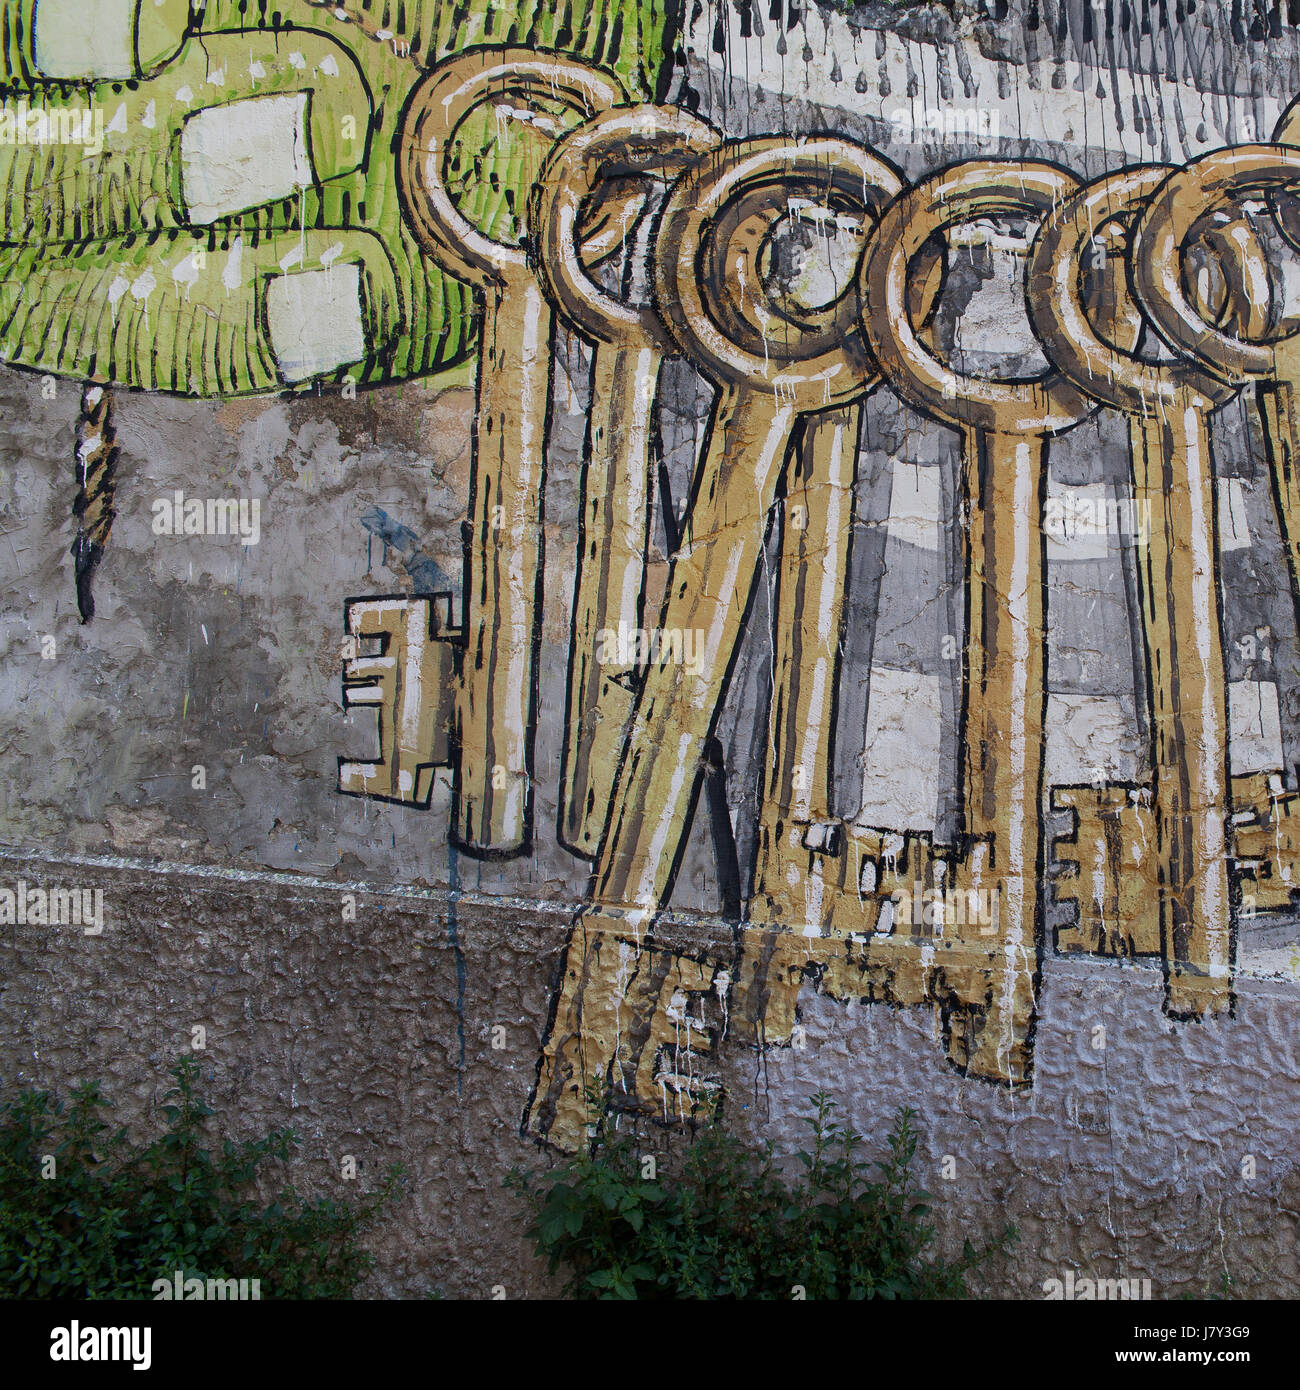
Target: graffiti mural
[{"x": 929, "y": 618}]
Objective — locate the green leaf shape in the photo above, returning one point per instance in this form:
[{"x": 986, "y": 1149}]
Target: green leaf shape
[{"x": 81, "y": 204}]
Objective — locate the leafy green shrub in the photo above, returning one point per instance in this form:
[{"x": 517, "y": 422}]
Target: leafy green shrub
[
  {"x": 110, "y": 1219},
  {"x": 731, "y": 1225}
]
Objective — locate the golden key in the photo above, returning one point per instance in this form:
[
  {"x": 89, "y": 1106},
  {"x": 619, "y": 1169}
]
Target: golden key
[
  {"x": 498, "y": 690},
  {"x": 1006, "y": 425},
  {"x": 774, "y": 363},
  {"x": 1159, "y": 245},
  {"x": 807, "y": 636},
  {"x": 1168, "y": 406},
  {"x": 630, "y": 345}
]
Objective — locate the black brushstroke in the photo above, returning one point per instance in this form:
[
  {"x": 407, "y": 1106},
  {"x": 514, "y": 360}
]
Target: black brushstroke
[{"x": 724, "y": 839}]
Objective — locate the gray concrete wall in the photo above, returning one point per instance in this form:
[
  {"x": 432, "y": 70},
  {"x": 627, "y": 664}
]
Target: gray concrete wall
[
  {"x": 376, "y": 1040},
  {"x": 180, "y": 751}
]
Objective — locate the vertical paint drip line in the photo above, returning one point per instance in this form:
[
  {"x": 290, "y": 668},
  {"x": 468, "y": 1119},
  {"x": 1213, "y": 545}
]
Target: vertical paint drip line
[
  {"x": 453, "y": 935},
  {"x": 96, "y": 464}
]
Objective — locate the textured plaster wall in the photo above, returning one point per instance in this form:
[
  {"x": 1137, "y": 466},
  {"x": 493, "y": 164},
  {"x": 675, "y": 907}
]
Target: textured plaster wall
[{"x": 376, "y": 1040}]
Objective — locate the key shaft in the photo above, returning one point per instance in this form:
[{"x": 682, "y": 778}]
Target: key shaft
[
  {"x": 821, "y": 365},
  {"x": 496, "y": 712},
  {"x": 1004, "y": 426},
  {"x": 812, "y": 590},
  {"x": 630, "y": 344},
  {"x": 1183, "y": 684},
  {"x": 1200, "y": 951}
]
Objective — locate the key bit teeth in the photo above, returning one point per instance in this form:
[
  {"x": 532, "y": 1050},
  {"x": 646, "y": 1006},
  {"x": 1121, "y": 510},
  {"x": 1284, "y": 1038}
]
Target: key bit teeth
[
  {"x": 1195, "y": 993},
  {"x": 627, "y": 1013}
]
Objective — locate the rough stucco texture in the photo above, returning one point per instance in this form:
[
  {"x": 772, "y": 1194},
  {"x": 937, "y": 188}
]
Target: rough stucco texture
[{"x": 1122, "y": 1162}]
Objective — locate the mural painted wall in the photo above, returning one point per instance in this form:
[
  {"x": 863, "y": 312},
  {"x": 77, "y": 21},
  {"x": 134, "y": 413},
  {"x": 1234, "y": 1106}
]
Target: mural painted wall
[{"x": 837, "y": 531}]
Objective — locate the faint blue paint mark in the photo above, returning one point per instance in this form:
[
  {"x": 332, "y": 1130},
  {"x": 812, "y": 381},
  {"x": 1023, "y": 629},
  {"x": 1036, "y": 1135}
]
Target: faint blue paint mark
[{"x": 429, "y": 576}]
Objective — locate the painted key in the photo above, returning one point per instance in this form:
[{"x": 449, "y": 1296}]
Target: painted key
[
  {"x": 1161, "y": 242},
  {"x": 1168, "y": 407},
  {"x": 774, "y": 363},
  {"x": 795, "y": 821},
  {"x": 498, "y": 692},
  {"x": 1006, "y": 425},
  {"x": 1187, "y": 197},
  {"x": 630, "y": 345}
]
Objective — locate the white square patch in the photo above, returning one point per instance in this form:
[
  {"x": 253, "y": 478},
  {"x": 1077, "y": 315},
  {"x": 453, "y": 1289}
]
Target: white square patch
[
  {"x": 1255, "y": 722},
  {"x": 242, "y": 155},
  {"x": 85, "y": 38},
  {"x": 1087, "y": 739},
  {"x": 1076, "y": 521},
  {"x": 315, "y": 321},
  {"x": 914, "y": 505},
  {"x": 1234, "y": 530},
  {"x": 900, "y": 787}
]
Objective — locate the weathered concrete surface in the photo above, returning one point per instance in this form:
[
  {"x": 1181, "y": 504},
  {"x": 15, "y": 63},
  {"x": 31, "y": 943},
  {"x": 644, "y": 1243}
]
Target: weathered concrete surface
[
  {"x": 207, "y": 653},
  {"x": 376, "y": 1039}
]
